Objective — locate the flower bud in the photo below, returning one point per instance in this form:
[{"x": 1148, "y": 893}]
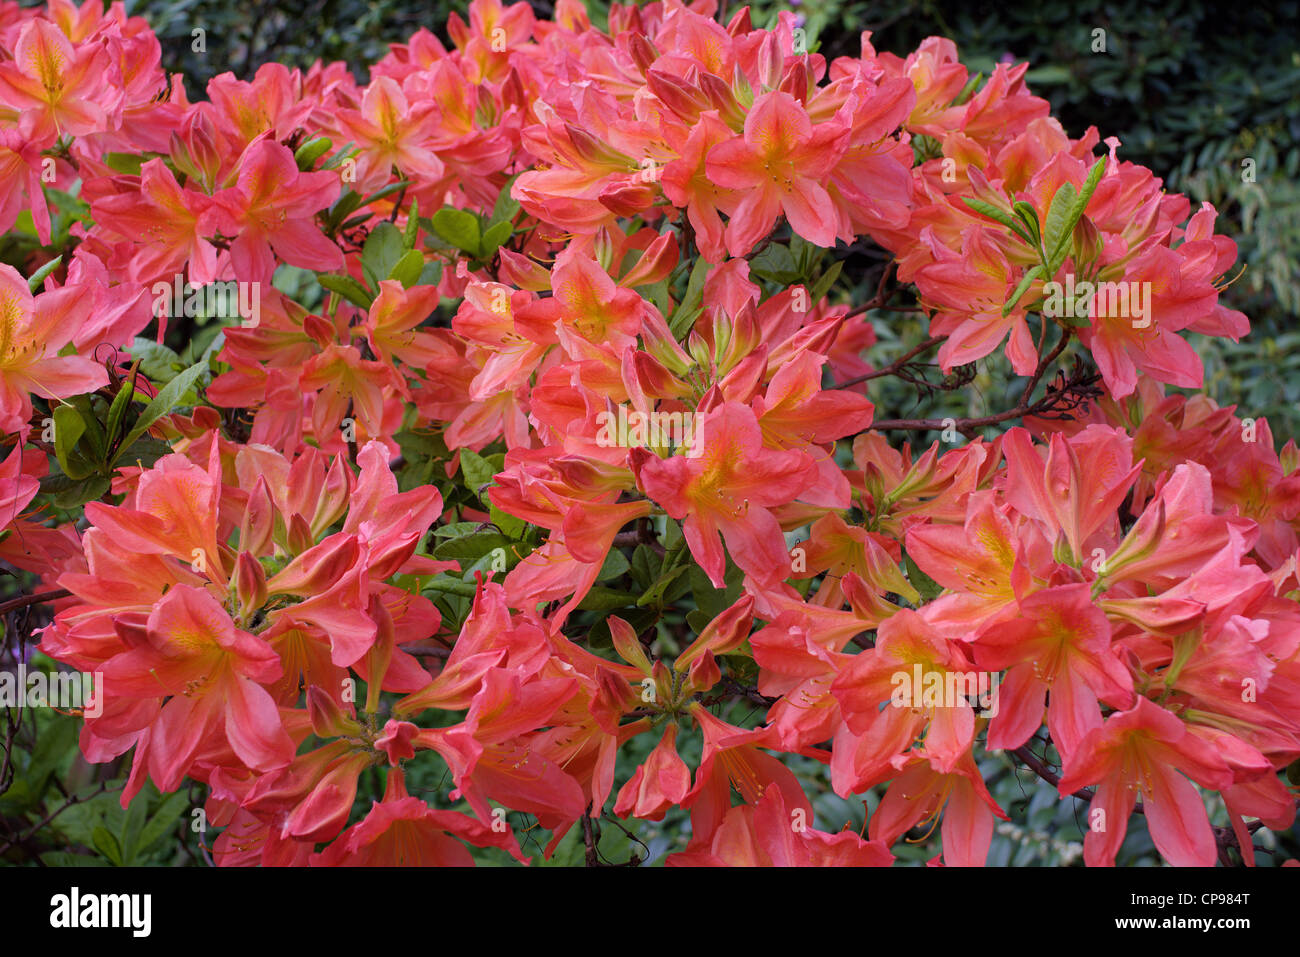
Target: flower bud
[
  {"x": 655, "y": 265},
  {"x": 298, "y": 536},
  {"x": 520, "y": 271},
  {"x": 255, "y": 530},
  {"x": 317, "y": 568},
  {"x": 328, "y": 719},
  {"x": 642, "y": 51},
  {"x": 333, "y": 504},
  {"x": 723, "y": 635},
  {"x": 250, "y": 585},
  {"x": 628, "y": 646}
]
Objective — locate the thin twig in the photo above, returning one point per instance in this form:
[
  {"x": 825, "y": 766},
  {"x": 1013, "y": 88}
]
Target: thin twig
[
  {"x": 895, "y": 366},
  {"x": 24, "y": 600}
]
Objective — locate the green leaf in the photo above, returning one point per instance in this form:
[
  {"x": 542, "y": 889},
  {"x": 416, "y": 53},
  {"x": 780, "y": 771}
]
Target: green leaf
[
  {"x": 452, "y": 586},
  {"x": 348, "y": 288},
  {"x": 776, "y": 264},
  {"x": 802, "y": 251},
  {"x": 657, "y": 293},
  {"x": 117, "y": 410},
  {"x": 337, "y": 159},
  {"x": 356, "y": 221},
  {"x": 509, "y": 524},
  {"x": 472, "y": 547},
  {"x": 1072, "y": 209},
  {"x": 167, "y": 399},
  {"x": 928, "y": 588},
  {"x": 430, "y": 275},
  {"x": 137, "y": 813},
  {"x": 407, "y": 269},
  {"x": 38, "y": 277},
  {"x": 569, "y": 852},
  {"x": 1059, "y": 226},
  {"x": 92, "y": 409},
  {"x": 507, "y": 207},
  {"x": 698, "y": 619},
  {"x": 56, "y": 743},
  {"x": 384, "y": 247},
  {"x": 385, "y": 192},
  {"x": 1026, "y": 281},
  {"x": 493, "y": 239},
  {"x": 492, "y": 563},
  {"x": 71, "y": 493},
  {"x": 144, "y": 451},
  {"x": 1048, "y": 75},
  {"x": 1089, "y": 187},
  {"x": 601, "y": 598},
  {"x": 969, "y": 89},
  {"x": 128, "y": 163},
  {"x": 343, "y": 207},
  {"x": 998, "y": 215},
  {"x": 615, "y": 566},
  {"x": 163, "y": 820},
  {"x": 70, "y": 859},
  {"x": 654, "y": 595},
  {"x": 457, "y": 529},
  {"x": 307, "y": 154},
  {"x": 645, "y": 566},
  {"x": 215, "y": 346},
  {"x": 827, "y": 280},
  {"x": 432, "y": 240},
  {"x": 1029, "y": 216},
  {"x": 991, "y": 211},
  {"x": 78, "y": 822},
  {"x": 709, "y": 600},
  {"x": 68, "y": 429},
  {"x": 458, "y": 227},
  {"x": 104, "y": 842},
  {"x": 615, "y": 845},
  {"x": 692, "y": 301},
  {"x": 412, "y": 225},
  {"x": 478, "y": 471},
  {"x": 157, "y": 361}
]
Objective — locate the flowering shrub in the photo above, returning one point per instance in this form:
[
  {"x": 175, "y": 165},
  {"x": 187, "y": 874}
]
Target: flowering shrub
[{"x": 535, "y": 435}]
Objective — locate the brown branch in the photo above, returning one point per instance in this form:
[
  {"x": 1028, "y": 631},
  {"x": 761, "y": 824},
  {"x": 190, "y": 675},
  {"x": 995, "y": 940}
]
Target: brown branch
[
  {"x": 894, "y": 367},
  {"x": 1059, "y": 401},
  {"x": 1226, "y": 837},
  {"x": 589, "y": 839},
  {"x": 24, "y": 600},
  {"x": 35, "y": 829},
  {"x": 961, "y": 425},
  {"x": 1030, "y": 760},
  {"x": 397, "y": 206},
  {"x": 1043, "y": 365},
  {"x": 441, "y": 653},
  {"x": 643, "y": 535},
  {"x": 879, "y": 298}
]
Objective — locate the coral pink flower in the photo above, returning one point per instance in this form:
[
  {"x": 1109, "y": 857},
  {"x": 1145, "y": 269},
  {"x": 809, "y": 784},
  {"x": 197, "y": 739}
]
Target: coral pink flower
[
  {"x": 779, "y": 167},
  {"x": 1141, "y": 752},
  {"x": 33, "y": 331},
  {"x": 728, "y": 488},
  {"x": 271, "y": 212},
  {"x": 54, "y": 87}
]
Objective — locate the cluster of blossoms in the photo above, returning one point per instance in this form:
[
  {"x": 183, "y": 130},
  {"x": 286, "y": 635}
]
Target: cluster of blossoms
[{"x": 601, "y": 209}]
